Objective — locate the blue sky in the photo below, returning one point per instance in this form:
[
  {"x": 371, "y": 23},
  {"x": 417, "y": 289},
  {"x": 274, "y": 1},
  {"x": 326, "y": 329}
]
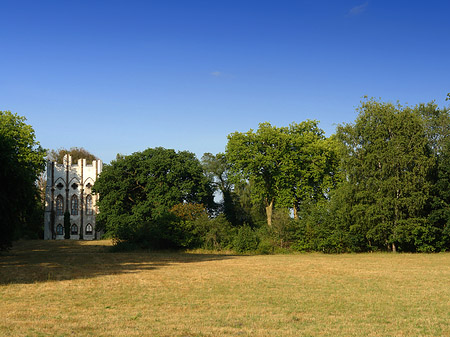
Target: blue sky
[{"x": 122, "y": 76}]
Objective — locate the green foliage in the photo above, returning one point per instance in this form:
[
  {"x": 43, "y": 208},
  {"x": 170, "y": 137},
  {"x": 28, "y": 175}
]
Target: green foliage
[
  {"x": 279, "y": 237},
  {"x": 246, "y": 240},
  {"x": 435, "y": 236},
  {"x": 237, "y": 204},
  {"x": 392, "y": 186},
  {"x": 137, "y": 191},
  {"x": 217, "y": 169},
  {"x": 257, "y": 156},
  {"x": 215, "y": 233},
  {"x": 75, "y": 152},
  {"x": 381, "y": 183},
  {"x": 389, "y": 161},
  {"x": 286, "y": 166},
  {"x": 188, "y": 211},
  {"x": 187, "y": 233},
  {"x": 309, "y": 167},
  {"x": 21, "y": 161},
  {"x": 282, "y": 228},
  {"x": 318, "y": 229},
  {"x": 246, "y": 211}
]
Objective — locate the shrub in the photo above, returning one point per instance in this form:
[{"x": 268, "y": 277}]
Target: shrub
[
  {"x": 219, "y": 234},
  {"x": 265, "y": 246},
  {"x": 283, "y": 229},
  {"x": 246, "y": 240}
]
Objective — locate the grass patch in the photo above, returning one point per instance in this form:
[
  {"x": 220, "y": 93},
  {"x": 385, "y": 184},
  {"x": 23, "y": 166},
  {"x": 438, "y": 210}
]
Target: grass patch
[{"x": 62, "y": 288}]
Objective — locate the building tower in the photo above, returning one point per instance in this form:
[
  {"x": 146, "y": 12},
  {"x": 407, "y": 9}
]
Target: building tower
[{"x": 69, "y": 190}]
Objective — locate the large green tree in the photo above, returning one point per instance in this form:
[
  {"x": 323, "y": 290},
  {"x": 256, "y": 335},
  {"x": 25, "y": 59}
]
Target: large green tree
[
  {"x": 257, "y": 157},
  {"x": 387, "y": 166},
  {"x": 137, "y": 191},
  {"x": 436, "y": 236},
  {"x": 21, "y": 162},
  {"x": 308, "y": 170},
  {"x": 286, "y": 166}
]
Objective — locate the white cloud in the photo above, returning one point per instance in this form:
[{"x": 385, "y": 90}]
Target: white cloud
[
  {"x": 358, "y": 9},
  {"x": 216, "y": 73}
]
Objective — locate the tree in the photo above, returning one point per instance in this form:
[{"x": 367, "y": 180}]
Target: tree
[
  {"x": 436, "y": 236},
  {"x": 187, "y": 233},
  {"x": 137, "y": 192},
  {"x": 217, "y": 169},
  {"x": 21, "y": 161},
  {"x": 286, "y": 166},
  {"x": 309, "y": 166},
  {"x": 387, "y": 165},
  {"x": 257, "y": 156},
  {"x": 75, "y": 152}
]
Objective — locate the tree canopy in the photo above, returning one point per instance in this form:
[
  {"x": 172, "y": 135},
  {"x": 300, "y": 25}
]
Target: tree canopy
[
  {"x": 21, "y": 161},
  {"x": 137, "y": 192},
  {"x": 76, "y": 153},
  {"x": 388, "y": 168},
  {"x": 286, "y": 165},
  {"x": 380, "y": 183}
]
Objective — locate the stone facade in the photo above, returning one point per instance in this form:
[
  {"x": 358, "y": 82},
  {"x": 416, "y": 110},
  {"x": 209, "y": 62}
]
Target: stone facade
[{"x": 69, "y": 189}]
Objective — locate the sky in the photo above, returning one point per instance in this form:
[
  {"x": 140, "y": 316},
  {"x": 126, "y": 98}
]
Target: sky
[{"x": 117, "y": 77}]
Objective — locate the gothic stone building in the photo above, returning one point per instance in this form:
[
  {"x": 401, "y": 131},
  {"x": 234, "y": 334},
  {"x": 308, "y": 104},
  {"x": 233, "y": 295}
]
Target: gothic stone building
[{"x": 69, "y": 190}]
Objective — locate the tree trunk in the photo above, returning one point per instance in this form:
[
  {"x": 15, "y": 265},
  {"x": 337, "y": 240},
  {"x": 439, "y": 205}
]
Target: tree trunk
[
  {"x": 394, "y": 248},
  {"x": 269, "y": 209},
  {"x": 295, "y": 212}
]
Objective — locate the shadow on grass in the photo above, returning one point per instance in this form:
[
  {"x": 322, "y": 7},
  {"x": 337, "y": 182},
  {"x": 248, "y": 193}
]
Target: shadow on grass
[{"x": 42, "y": 261}]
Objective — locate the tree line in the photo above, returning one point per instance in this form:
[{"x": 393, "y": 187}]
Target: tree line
[
  {"x": 21, "y": 162},
  {"x": 379, "y": 183},
  {"x": 22, "y": 179}
]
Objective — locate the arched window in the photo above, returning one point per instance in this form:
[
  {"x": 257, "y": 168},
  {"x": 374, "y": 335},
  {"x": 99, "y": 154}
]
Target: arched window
[
  {"x": 89, "y": 229},
  {"x": 89, "y": 205},
  {"x": 59, "y": 229},
  {"x": 74, "y": 229},
  {"x": 74, "y": 205},
  {"x": 59, "y": 205}
]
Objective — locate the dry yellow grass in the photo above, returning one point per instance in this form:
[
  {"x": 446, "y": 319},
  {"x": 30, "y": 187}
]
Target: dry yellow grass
[{"x": 69, "y": 288}]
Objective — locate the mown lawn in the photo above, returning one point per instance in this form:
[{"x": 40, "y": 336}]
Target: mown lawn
[{"x": 70, "y": 288}]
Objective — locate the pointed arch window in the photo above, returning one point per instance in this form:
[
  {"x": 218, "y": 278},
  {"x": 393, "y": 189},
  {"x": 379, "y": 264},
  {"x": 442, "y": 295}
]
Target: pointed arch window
[
  {"x": 89, "y": 210},
  {"x": 59, "y": 230},
  {"x": 59, "y": 205},
  {"x": 74, "y": 230},
  {"x": 74, "y": 205},
  {"x": 89, "y": 229}
]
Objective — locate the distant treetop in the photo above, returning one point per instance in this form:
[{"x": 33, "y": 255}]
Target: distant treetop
[{"x": 75, "y": 152}]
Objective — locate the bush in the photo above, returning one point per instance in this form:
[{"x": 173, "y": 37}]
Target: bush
[
  {"x": 137, "y": 192},
  {"x": 265, "y": 246},
  {"x": 246, "y": 240},
  {"x": 283, "y": 228},
  {"x": 218, "y": 234}
]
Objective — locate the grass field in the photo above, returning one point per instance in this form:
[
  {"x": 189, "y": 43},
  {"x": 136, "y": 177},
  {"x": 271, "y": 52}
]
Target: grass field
[{"x": 72, "y": 288}]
